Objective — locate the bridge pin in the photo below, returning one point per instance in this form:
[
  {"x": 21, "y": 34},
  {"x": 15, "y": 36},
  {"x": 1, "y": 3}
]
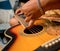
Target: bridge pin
[
  {"x": 59, "y": 39},
  {"x": 50, "y": 44},
  {"x": 46, "y": 45},
  {"x": 53, "y": 42},
  {"x": 56, "y": 41}
]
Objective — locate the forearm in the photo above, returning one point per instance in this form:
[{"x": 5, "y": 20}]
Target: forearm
[{"x": 50, "y": 4}]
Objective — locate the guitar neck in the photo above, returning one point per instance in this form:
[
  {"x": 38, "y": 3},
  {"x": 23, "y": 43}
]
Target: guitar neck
[{"x": 20, "y": 18}]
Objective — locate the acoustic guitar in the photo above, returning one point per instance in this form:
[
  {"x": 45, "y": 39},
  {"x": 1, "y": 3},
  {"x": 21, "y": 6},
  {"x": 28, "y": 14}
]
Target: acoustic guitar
[{"x": 31, "y": 39}]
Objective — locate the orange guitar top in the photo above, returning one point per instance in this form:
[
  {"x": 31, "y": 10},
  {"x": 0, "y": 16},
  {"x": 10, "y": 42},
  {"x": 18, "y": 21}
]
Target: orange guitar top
[{"x": 24, "y": 41}]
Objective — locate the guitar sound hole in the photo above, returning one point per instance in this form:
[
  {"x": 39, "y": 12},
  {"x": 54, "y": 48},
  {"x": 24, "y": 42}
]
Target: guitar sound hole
[{"x": 34, "y": 29}]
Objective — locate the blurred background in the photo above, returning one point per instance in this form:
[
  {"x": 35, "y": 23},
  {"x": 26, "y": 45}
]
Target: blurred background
[{"x": 7, "y": 9}]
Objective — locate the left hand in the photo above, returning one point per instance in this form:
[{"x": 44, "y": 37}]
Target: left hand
[{"x": 13, "y": 21}]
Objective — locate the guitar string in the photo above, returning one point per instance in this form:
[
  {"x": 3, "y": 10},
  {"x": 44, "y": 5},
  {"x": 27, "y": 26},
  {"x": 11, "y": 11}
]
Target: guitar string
[
  {"x": 40, "y": 37},
  {"x": 33, "y": 32},
  {"x": 17, "y": 17},
  {"x": 35, "y": 29},
  {"x": 43, "y": 39}
]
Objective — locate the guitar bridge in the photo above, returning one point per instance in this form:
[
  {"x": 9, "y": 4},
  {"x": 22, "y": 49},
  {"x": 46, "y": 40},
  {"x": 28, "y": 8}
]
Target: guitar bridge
[{"x": 52, "y": 45}]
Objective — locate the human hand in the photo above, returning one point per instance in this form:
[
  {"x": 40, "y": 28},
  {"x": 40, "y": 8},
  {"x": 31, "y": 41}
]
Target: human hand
[
  {"x": 30, "y": 10},
  {"x": 13, "y": 21}
]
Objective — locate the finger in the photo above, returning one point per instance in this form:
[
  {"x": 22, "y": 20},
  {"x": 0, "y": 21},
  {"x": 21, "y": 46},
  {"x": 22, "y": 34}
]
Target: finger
[
  {"x": 31, "y": 22},
  {"x": 13, "y": 22},
  {"x": 27, "y": 19},
  {"x": 18, "y": 11}
]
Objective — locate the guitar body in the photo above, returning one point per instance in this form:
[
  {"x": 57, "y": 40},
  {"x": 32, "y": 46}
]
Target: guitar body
[{"x": 22, "y": 41}]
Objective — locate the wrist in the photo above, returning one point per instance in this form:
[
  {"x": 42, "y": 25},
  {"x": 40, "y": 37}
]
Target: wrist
[
  {"x": 44, "y": 4},
  {"x": 41, "y": 5}
]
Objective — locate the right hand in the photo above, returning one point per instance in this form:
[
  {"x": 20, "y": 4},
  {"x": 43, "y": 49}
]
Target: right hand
[{"x": 30, "y": 10}]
